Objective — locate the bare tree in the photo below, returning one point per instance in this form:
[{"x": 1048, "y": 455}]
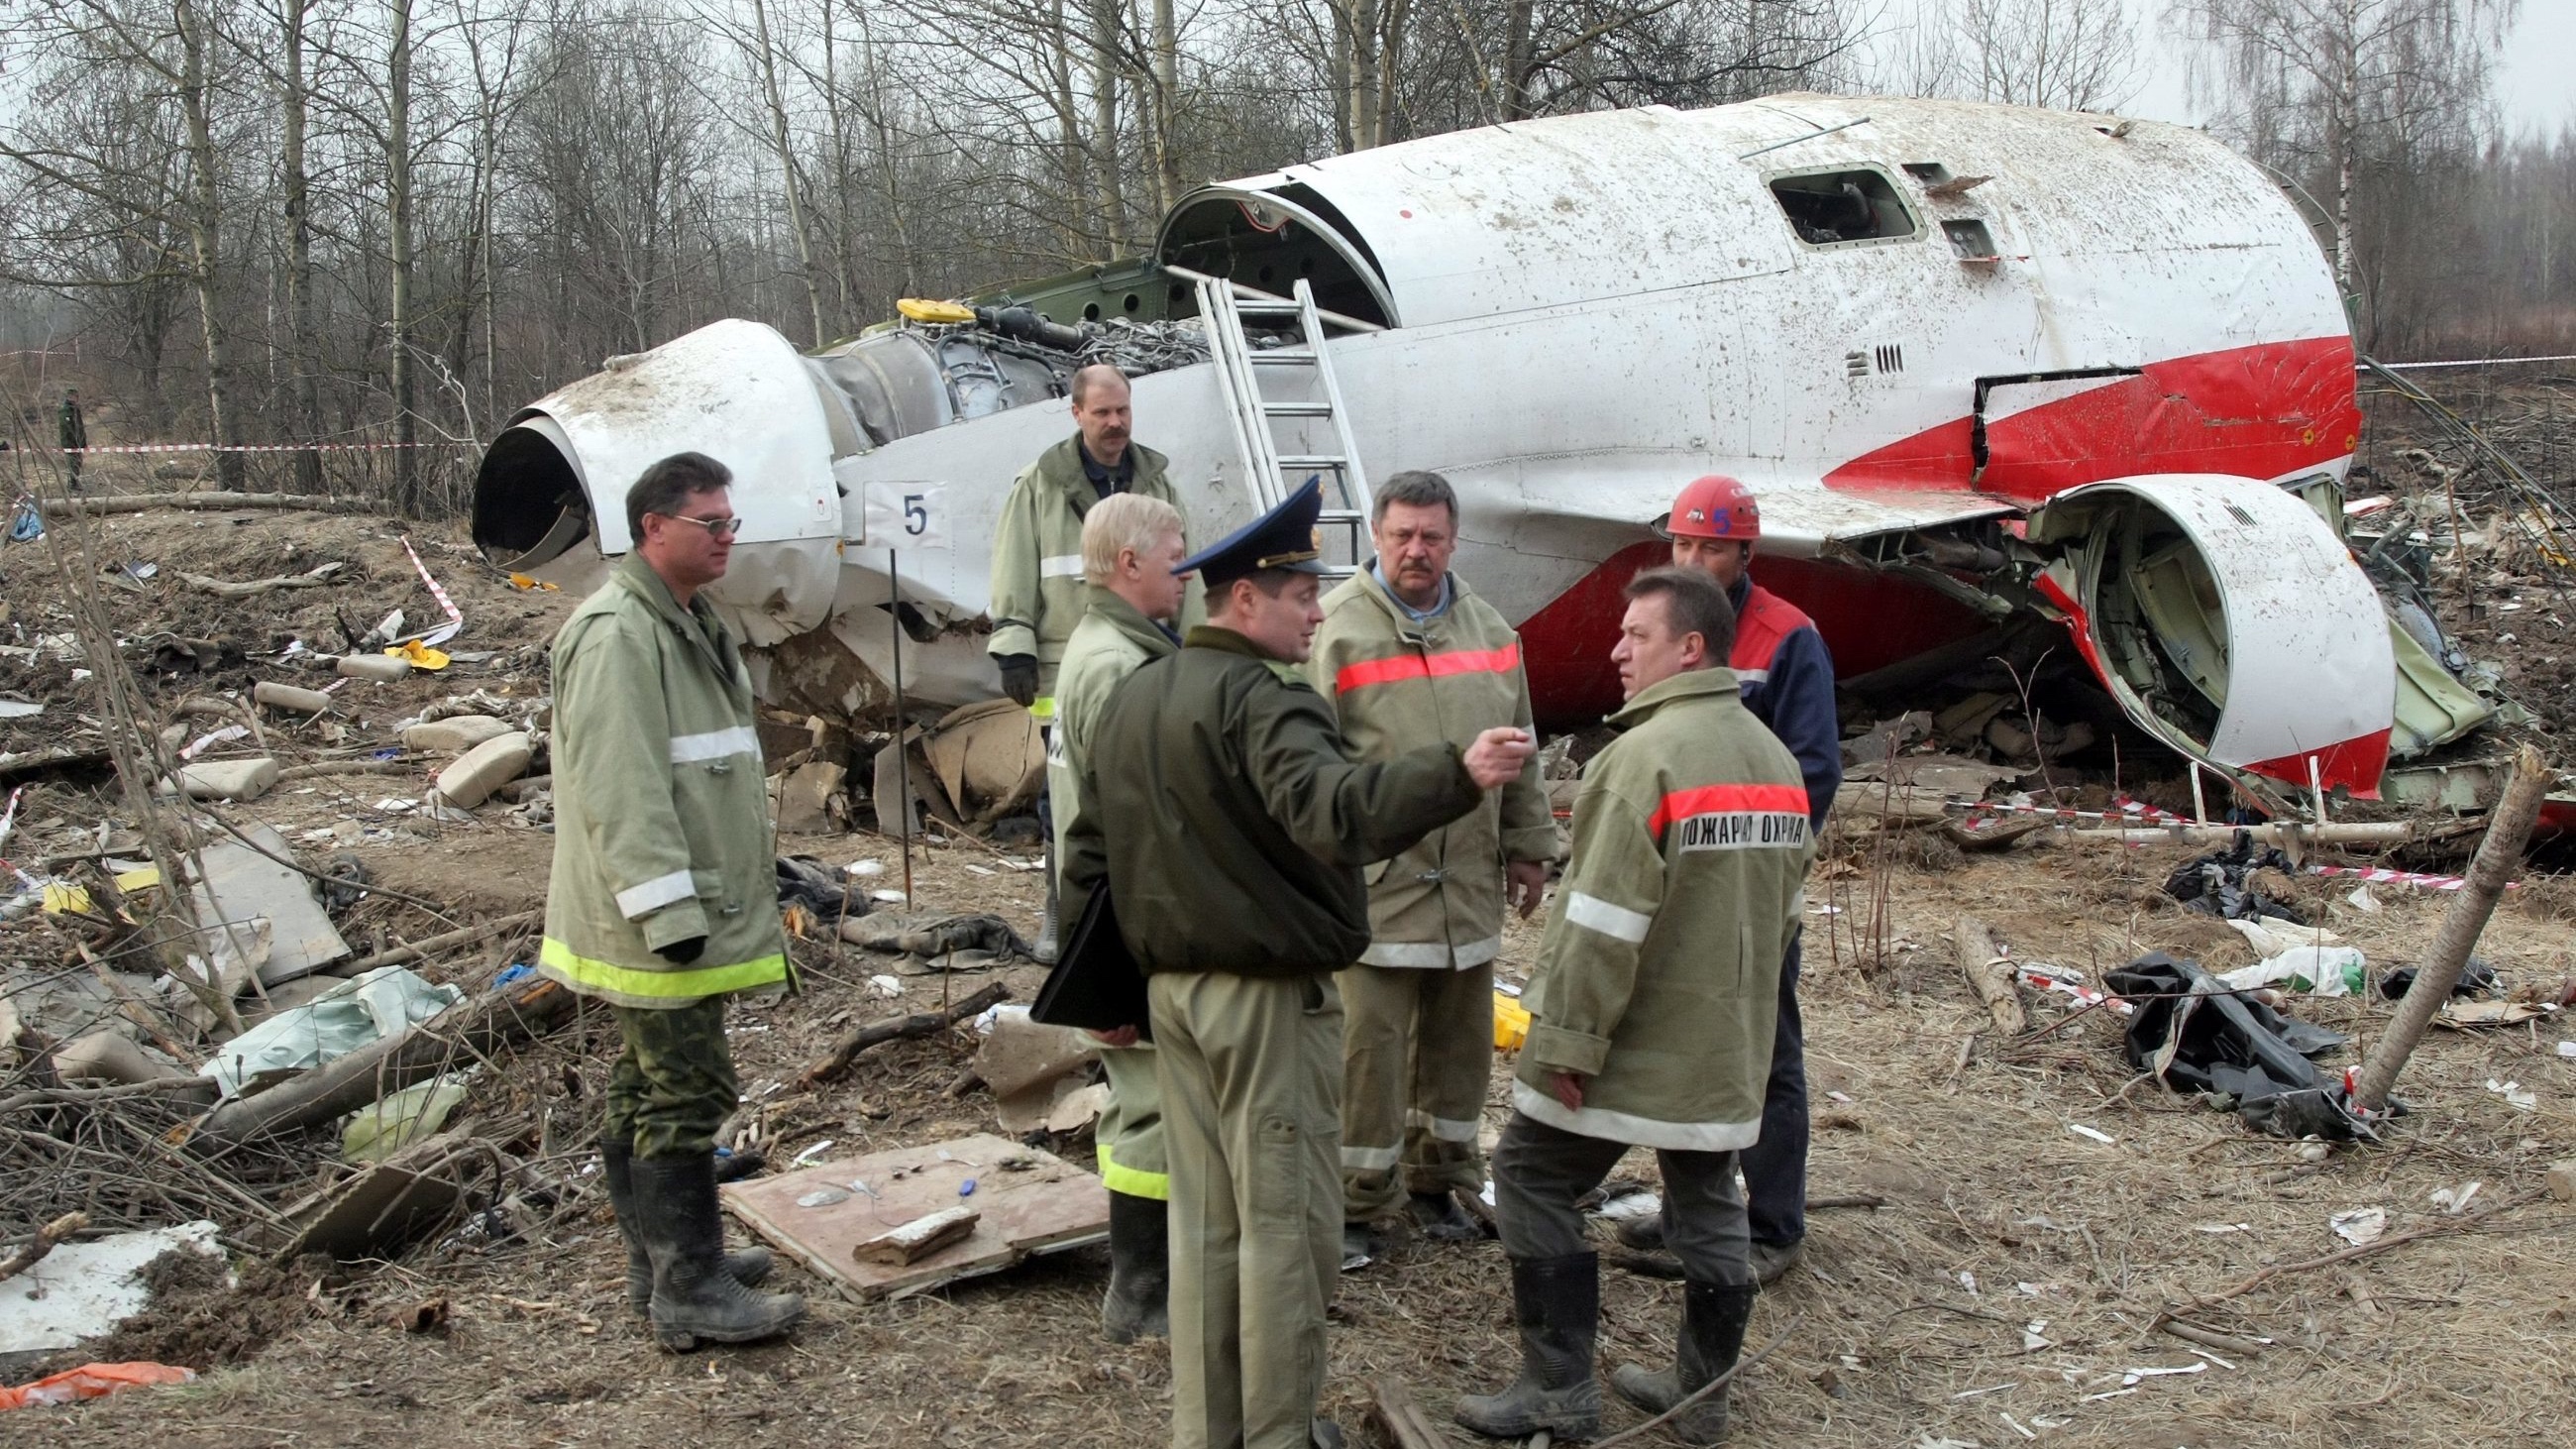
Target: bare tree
[
  {"x": 2330, "y": 79},
  {"x": 2077, "y": 55}
]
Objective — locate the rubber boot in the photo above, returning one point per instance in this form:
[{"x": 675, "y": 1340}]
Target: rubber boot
[
  {"x": 749, "y": 1266},
  {"x": 1439, "y": 1217},
  {"x": 1713, "y": 1320},
  {"x": 1645, "y": 1234},
  {"x": 1558, "y": 1304},
  {"x": 1140, "y": 1269},
  {"x": 694, "y": 1299}
]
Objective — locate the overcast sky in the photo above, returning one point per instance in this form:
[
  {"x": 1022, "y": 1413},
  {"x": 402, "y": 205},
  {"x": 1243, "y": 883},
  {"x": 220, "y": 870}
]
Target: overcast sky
[{"x": 2532, "y": 79}]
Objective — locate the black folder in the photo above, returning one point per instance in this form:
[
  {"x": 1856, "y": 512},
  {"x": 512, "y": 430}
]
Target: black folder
[{"x": 1096, "y": 984}]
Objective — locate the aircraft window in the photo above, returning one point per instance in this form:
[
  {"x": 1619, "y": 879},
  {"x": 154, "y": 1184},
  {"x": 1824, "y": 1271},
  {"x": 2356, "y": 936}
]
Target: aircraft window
[
  {"x": 1930, "y": 173},
  {"x": 1829, "y": 208}
]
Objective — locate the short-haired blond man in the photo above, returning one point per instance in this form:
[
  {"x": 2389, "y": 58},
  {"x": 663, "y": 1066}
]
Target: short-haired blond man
[{"x": 1131, "y": 545}]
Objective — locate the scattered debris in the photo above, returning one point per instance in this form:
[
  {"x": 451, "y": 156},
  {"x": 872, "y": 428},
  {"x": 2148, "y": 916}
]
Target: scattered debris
[
  {"x": 82, "y": 1289},
  {"x": 1047, "y": 1206},
  {"x": 2359, "y": 1225},
  {"x": 385, "y": 1002},
  {"x": 917, "y": 1239},
  {"x": 2193, "y": 1031},
  {"x": 92, "y": 1381}
]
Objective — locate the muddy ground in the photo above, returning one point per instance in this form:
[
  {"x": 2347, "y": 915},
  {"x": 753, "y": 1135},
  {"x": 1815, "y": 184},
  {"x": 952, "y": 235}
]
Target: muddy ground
[{"x": 2005, "y": 1291}]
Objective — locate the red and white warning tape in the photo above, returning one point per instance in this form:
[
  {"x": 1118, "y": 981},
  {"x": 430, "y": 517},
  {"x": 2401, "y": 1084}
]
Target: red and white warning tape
[
  {"x": 2137, "y": 810},
  {"x": 2371, "y": 875},
  {"x": 260, "y": 447},
  {"x": 2130, "y": 811},
  {"x": 455, "y": 617}
]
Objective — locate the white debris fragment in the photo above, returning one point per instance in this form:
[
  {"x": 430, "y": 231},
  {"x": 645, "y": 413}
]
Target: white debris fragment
[
  {"x": 884, "y": 986},
  {"x": 1968, "y": 1280},
  {"x": 810, "y": 1153},
  {"x": 865, "y": 867},
  {"x": 2130, "y": 1377},
  {"x": 2097, "y": 1134},
  {"x": 2359, "y": 1225},
  {"x": 2515, "y": 1094},
  {"x": 2455, "y": 1200}
]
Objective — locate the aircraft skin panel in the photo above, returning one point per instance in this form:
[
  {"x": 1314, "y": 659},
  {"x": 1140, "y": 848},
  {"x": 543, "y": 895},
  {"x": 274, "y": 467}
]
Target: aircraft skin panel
[
  {"x": 2309, "y": 667},
  {"x": 2267, "y": 411}
]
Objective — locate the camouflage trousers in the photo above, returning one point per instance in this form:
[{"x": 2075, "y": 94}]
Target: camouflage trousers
[{"x": 673, "y": 1085}]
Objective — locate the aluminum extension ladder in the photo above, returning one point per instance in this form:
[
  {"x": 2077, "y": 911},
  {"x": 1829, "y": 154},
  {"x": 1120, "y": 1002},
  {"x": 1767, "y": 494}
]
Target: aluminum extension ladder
[{"x": 1258, "y": 412}]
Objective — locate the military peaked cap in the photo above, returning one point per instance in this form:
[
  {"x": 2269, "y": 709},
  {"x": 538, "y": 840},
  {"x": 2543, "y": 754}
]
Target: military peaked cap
[{"x": 1283, "y": 538}]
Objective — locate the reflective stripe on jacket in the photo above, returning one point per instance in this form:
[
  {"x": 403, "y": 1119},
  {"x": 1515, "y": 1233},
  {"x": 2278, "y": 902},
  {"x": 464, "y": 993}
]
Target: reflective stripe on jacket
[
  {"x": 1397, "y": 685},
  {"x": 1037, "y": 552},
  {"x": 661, "y": 813},
  {"x": 1658, "y": 980}
]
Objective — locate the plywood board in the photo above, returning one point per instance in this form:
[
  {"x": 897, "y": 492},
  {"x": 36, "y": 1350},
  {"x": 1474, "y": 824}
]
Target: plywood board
[{"x": 1033, "y": 1202}]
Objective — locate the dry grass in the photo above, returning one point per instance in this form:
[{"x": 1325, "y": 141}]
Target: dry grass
[{"x": 2460, "y": 1337}]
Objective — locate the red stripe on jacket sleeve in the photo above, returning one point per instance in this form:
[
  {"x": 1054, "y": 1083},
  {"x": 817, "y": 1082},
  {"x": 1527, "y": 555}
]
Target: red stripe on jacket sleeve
[
  {"x": 1710, "y": 799},
  {"x": 1427, "y": 666}
]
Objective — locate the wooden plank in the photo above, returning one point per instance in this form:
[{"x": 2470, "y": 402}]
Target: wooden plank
[{"x": 1029, "y": 1202}]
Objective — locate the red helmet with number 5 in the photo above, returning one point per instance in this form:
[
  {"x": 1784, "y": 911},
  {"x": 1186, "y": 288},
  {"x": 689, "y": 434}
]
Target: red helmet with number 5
[{"x": 1713, "y": 507}]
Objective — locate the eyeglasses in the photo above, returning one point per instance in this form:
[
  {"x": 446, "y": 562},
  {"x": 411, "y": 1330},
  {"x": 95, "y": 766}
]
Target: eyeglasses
[{"x": 725, "y": 527}]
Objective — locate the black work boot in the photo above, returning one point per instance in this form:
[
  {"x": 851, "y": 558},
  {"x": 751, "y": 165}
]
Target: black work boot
[
  {"x": 1712, "y": 1337},
  {"x": 1438, "y": 1215},
  {"x": 1140, "y": 1269},
  {"x": 694, "y": 1298},
  {"x": 1558, "y": 1304},
  {"x": 1645, "y": 1233},
  {"x": 749, "y": 1266}
]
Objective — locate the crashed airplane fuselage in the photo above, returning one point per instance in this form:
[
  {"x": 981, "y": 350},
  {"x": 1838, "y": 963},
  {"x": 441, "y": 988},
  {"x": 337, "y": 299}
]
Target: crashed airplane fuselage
[{"x": 1979, "y": 362}]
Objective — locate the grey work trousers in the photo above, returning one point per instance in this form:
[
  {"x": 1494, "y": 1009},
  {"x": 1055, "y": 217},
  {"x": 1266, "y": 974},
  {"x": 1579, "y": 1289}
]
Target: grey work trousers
[{"x": 1539, "y": 1172}]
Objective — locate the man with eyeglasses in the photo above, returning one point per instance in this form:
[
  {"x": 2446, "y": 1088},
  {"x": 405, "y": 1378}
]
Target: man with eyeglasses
[{"x": 664, "y": 900}]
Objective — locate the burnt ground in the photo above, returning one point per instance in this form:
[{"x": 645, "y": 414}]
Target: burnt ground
[{"x": 2004, "y": 1290}]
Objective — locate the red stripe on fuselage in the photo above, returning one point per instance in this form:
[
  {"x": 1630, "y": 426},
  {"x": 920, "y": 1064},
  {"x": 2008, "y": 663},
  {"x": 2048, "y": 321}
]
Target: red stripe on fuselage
[
  {"x": 2258, "y": 412},
  {"x": 1713, "y": 799},
  {"x": 1427, "y": 666}
]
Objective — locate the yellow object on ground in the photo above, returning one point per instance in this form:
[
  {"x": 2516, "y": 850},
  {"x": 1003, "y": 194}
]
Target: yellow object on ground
[
  {"x": 139, "y": 880},
  {"x": 522, "y": 581},
  {"x": 61, "y": 898},
  {"x": 420, "y": 655},
  {"x": 1511, "y": 1023},
  {"x": 925, "y": 309}
]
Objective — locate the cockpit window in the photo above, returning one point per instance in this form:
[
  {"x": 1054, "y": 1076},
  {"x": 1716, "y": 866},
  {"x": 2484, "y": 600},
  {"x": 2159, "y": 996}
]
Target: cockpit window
[{"x": 1840, "y": 208}]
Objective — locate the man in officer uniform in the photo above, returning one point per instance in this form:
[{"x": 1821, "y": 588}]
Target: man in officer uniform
[
  {"x": 1228, "y": 819},
  {"x": 1788, "y": 681},
  {"x": 664, "y": 897},
  {"x": 1037, "y": 580},
  {"x": 1410, "y": 656},
  {"x": 72, "y": 431},
  {"x": 1131, "y": 552},
  {"x": 1651, "y": 1016}
]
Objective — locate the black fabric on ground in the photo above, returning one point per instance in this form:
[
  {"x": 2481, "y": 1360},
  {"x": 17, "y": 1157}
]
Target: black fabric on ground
[
  {"x": 2197, "y": 1033},
  {"x": 2221, "y": 883}
]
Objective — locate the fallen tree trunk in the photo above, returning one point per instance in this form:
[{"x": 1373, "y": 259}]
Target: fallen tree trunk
[
  {"x": 214, "y": 501},
  {"x": 1400, "y": 1415},
  {"x": 2507, "y": 829},
  {"x": 477, "y": 1027},
  {"x": 321, "y": 768},
  {"x": 2394, "y": 832},
  {"x": 1991, "y": 973},
  {"x": 315, "y": 579},
  {"x": 44, "y": 1242},
  {"x": 431, "y": 945},
  {"x": 896, "y": 1028}
]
